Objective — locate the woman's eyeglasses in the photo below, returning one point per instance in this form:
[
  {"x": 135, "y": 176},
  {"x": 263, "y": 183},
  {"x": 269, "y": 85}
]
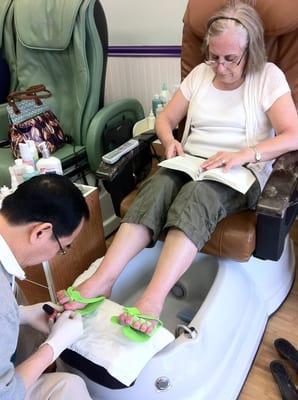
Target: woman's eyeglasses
[
  {"x": 228, "y": 63},
  {"x": 62, "y": 249}
]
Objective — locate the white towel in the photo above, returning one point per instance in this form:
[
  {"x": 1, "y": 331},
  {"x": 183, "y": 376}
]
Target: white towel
[{"x": 104, "y": 344}]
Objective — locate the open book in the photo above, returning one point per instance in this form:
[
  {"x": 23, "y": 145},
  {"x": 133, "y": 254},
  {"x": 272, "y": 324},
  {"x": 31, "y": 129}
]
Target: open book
[{"x": 238, "y": 178}]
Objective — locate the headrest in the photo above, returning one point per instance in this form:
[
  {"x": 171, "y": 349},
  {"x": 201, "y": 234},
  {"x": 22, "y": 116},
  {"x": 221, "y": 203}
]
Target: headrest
[
  {"x": 4, "y": 6},
  {"x": 279, "y": 17},
  {"x": 45, "y": 24}
]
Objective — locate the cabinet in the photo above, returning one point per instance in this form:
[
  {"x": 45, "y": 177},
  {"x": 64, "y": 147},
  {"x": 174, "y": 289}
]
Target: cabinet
[{"x": 44, "y": 280}]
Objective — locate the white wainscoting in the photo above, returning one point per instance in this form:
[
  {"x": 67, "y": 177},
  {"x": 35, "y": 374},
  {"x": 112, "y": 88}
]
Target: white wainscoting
[{"x": 140, "y": 77}]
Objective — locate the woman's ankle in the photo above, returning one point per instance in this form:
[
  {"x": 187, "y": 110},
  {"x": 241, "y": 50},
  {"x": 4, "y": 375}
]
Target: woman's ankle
[
  {"x": 92, "y": 289},
  {"x": 149, "y": 307}
]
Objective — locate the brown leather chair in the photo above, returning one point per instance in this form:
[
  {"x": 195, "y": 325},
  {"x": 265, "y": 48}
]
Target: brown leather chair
[{"x": 262, "y": 232}]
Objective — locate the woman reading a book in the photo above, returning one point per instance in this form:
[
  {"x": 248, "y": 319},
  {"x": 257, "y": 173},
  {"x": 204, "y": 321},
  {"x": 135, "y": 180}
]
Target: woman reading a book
[{"x": 234, "y": 102}]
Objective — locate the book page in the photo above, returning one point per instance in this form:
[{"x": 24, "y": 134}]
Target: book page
[
  {"x": 239, "y": 178},
  {"x": 188, "y": 164}
]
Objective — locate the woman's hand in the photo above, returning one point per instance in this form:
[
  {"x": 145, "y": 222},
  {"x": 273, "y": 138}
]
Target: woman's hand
[
  {"x": 174, "y": 148},
  {"x": 229, "y": 159}
]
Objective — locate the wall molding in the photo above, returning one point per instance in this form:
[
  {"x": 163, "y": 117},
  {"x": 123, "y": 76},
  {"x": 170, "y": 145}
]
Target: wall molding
[
  {"x": 144, "y": 51},
  {"x": 140, "y": 78}
]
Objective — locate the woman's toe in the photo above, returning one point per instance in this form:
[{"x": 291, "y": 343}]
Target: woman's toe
[{"x": 125, "y": 319}]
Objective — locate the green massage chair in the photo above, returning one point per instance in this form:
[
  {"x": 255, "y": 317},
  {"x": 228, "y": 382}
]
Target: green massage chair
[{"x": 62, "y": 44}]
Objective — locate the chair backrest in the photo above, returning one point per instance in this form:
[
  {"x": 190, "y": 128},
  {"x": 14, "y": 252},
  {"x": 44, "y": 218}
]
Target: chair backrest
[
  {"x": 7, "y": 43},
  {"x": 62, "y": 44},
  {"x": 280, "y": 19}
]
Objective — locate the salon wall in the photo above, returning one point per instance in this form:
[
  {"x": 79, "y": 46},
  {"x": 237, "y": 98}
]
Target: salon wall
[
  {"x": 144, "y": 22},
  {"x": 144, "y": 47}
]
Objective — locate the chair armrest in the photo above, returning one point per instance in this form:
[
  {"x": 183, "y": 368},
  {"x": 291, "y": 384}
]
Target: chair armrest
[
  {"x": 121, "y": 178},
  {"x": 277, "y": 207},
  {"x": 108, "y": 117},
  {"x": 280, "y": 191},
  {"x": 109, "y": 172}
]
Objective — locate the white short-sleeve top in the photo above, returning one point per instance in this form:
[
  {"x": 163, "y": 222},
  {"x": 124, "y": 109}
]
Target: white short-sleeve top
[{"x": 219, "y": 118}]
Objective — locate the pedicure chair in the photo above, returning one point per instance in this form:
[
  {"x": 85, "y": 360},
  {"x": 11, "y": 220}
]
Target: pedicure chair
[{"x": 219, "y": 309}]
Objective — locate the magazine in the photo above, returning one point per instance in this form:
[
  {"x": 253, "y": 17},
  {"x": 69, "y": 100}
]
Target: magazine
[{"x": 238, "y": 178}]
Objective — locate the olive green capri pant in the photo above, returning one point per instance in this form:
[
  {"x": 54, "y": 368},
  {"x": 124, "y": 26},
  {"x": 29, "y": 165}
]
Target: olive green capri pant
[{"x": 170, "y": 199}]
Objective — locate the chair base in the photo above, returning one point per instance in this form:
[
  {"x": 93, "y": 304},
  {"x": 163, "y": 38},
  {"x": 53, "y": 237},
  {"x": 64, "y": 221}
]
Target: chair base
[{"x": 228, "y": 304}]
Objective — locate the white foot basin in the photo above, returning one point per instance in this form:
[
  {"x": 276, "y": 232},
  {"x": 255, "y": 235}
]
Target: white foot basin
[{"x": 224, "y": 306}]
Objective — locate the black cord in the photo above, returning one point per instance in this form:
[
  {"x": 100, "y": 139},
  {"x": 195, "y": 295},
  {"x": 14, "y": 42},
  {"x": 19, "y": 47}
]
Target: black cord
[{"x": 155, "y": 155}]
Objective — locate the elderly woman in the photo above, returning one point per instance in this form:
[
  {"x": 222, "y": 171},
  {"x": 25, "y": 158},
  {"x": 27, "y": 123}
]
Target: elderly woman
[{"x": 239, "y": 112}]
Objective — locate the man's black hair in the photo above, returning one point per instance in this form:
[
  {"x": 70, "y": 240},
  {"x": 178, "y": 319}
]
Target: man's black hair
[{"x": 47, "y": 198}]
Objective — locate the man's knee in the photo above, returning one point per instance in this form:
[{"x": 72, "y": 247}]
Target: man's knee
[
  {"x": 69, "y": 380},
  {"x": 57, "y": 386},
  {"x": 73, "y": 386}
]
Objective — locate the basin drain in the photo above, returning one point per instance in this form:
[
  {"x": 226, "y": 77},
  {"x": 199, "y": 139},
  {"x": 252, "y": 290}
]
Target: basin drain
[{"x": 178, "y": 291}]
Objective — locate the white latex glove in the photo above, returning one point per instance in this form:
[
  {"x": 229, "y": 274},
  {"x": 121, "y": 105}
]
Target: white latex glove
[
  {"x": 65, "y": 331},
  {"x": 35, "y": 316}
]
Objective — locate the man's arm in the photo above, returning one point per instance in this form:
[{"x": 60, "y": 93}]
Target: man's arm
[
  {"x": 65, "y": 331},
  {"x": 30, "y": 369}
]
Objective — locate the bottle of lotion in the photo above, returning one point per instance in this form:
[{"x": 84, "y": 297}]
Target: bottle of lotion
[
  {"x": 48, "y": 164},
  {"x": 151, "y": 120},
  {"x": 19, "y": 170}
]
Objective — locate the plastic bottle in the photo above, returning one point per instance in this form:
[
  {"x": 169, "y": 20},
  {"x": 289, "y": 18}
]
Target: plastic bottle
[
  {"x": 165, "y": 94},
  {"x": 26, "y": 154},
  {"x": 155, "y": 101},
  {"x": 18, "y": 170},
  {"x": 29, "y": 173},
  {"x": 151, "y": 120},
  {"x": 13, "y": 179},
  {"x": 48, "y": 164},
  {"x": 159, "y": 109},
  {"x": 4, "y": 191},
  {"x": 174, "y": 89},
  {"x": 33, "y": 149}
]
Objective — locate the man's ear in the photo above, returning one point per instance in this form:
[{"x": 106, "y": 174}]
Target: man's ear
[{"x": 41, "y": 232}]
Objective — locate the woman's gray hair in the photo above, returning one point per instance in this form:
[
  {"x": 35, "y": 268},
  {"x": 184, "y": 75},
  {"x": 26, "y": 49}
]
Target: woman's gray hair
[{"x": 249, "y": 25}]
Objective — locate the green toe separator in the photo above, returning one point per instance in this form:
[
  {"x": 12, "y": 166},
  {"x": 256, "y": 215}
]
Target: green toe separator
[
  {"x": 88, "y": 309},
  {"x": 115, "y": 320},
  {"x": 92, "y": 303},
  {"x": 132, "y": 311},
  {"x": 74, "y": 295},
  {"x": 130, "y": 332},
  {"x": 136, "y": 314}
]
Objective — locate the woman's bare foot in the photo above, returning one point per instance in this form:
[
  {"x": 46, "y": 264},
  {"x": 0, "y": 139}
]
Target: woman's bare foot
[{"x": 146, "y": 307}]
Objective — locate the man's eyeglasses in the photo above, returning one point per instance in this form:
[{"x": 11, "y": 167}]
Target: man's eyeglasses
[
  {"x": 230, "y": 63},
  {"x": 62, "y": 249}
]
